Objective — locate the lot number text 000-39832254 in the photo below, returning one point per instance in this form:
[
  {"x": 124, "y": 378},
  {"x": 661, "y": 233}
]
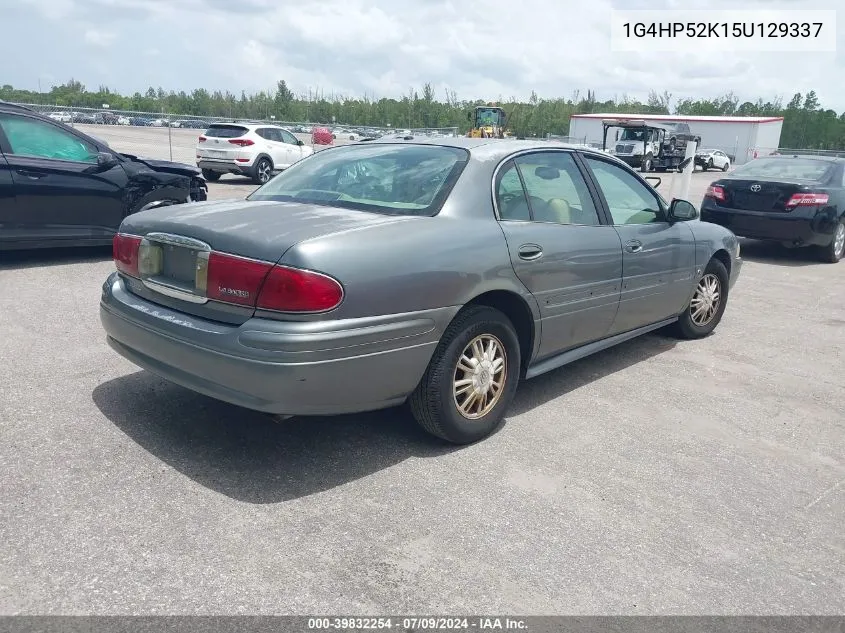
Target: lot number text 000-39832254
[{"x": 723, "y": 31}]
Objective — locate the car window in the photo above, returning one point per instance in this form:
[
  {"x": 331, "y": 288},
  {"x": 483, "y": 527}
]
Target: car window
[
  {"x": 395, "y": 179},
  {"x": 628, "y": 199},
  {"x": 286, "y": 137},
  {"x": 264, "y": 133},
  {"x": 31, "y": 137},
  {"x": 510, "y": 195},
  {"x": 225, "y": 131},
  {"x": 556, "y": 190}
]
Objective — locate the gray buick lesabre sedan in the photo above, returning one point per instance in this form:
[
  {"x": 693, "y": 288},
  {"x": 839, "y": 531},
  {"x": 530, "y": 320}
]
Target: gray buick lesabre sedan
[{"x": 440, "y": 273}]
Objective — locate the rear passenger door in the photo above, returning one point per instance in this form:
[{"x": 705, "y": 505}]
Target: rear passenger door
[
  {"x": 273, "y": 146},
  {"x": 560, "y": 249}
]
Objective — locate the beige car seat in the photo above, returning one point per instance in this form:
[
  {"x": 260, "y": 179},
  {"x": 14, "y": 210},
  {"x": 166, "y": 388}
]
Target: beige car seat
[{"x": 561, "y": 211}]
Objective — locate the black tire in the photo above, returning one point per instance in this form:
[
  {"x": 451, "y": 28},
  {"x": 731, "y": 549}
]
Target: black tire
[
  {"x": 833, "y": 252},
  {"x": 647, "y": 164},
  {"x": 211, "y": 176},
  {"x": 686, "y": 326},
  {"x": 710, "y": 164},
  {"x": 434, "y": 402},
  {"x": 726, "y": 166},
  {"x": 263, "y": 171}
]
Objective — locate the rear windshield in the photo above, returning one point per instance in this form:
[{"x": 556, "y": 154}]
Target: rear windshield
[
  {"x": 226, "y": 131},
  {"x": 789, "y": 168},
  {"x": 384, "y": 178}
]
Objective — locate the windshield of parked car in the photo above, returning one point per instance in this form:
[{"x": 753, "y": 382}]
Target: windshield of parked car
[
  {"x": 788, "y": 168},
  {"x": 397, "y": 179},
  {"x": 632, "y": 135}
]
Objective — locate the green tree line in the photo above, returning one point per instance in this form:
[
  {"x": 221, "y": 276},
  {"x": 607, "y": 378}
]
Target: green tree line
[{"x": 806, "y": 123}]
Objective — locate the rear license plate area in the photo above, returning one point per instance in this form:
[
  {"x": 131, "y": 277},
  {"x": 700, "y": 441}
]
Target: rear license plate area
[{"x": 165, "y": 266}]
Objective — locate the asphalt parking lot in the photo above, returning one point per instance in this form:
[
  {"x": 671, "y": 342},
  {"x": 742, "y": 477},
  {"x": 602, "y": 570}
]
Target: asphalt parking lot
[{"x": 659, "y": 477}]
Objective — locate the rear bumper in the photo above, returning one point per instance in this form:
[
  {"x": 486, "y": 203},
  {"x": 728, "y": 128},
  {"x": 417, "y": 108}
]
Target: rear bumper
[
  {"x": 285, "y": 367},
  {"x": 225, "y": 166},
  {"x": 801, "y": 227}
]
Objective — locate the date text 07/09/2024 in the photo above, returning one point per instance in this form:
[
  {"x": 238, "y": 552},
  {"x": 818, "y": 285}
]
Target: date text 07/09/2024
[
  {"x": 417, "y": 623},
  {"x": 766, "y": 30}
]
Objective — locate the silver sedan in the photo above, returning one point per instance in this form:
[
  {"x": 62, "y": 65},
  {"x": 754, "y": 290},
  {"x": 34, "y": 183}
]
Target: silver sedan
[{"x": 437, "y": 272}]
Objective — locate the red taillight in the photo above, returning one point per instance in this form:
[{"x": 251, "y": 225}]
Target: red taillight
[
  {"x": 716, "y": 192},
  {"x": 235, "y": 279},
  {"x": 242, "y": 142},
  {"x": 295, "y": 290},
  {"x": 125, "y": 253},
  {"x": 203, "y": 139},
  {"x": 807, "y": 199}
]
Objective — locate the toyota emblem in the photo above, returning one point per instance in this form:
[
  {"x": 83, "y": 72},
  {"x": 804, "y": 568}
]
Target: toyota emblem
[{"x": 755, "y": 188}]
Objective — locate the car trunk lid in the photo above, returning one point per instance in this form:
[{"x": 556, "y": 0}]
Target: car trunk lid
[
  {"x": 216, "y": 142},
  {"x": 177, "y": 242},
  {"x": 762, "y": 194}
]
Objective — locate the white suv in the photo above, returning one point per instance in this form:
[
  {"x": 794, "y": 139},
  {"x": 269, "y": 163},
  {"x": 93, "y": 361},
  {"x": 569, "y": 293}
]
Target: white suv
[{"x": 249, "y": 149}]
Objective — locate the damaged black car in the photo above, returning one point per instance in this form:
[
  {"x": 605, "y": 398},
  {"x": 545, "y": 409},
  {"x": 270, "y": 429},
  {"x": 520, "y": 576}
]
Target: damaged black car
[{"x": 61, "y": 187}]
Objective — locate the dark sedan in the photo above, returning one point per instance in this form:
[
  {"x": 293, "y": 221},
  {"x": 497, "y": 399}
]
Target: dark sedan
[
  {"x": 795, "y": 200},
  {"x": 61, "y": 187},
  {"x": 438, "y": 273}
]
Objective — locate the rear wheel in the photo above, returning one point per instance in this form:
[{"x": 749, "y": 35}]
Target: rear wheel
[
  {"x": 726, "y": 166},
  {"x": 471, "y": 379},
  {"x": 211, "y": 176},
  {"x": 707, "y": 305},
  {"x": 263, "y": 171},
  {"x": 834, "y": 251}
]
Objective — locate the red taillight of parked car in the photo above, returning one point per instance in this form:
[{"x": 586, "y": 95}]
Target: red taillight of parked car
[
  {"x": 241, "y": 142},
  {"x": 716, "y": 192},
  {"x": 125, "y": 253},
  {"x": 249, "y": 282},
  {"x": 296, "y": 290},
  {"x": 202, "y": 139},
  {"x": 807, "y": 199}
]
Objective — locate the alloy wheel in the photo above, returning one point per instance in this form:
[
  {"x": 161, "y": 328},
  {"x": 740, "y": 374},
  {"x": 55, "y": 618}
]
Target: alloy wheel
[
  {"x": 264, "y": 171},
  {"x": 480, "y": 376},
  {"x": 839, "y": 240},
  {"x": 706, "y": 300}
]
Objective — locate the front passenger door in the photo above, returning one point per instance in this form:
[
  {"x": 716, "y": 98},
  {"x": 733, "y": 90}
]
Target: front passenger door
[
  {"x": 292, "y": 147},
  {"x": 658, "y": 258},
  {"x": 560, "y": 250}
]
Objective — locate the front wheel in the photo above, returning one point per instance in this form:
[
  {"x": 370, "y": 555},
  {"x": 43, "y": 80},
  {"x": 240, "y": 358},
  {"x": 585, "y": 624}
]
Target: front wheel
[
  {"x": 707, "y": 305},
  {"x": 647, "y": 163},
  {"x": 211, "y": 176},
  {"x": 471, "y": 379},
  {"x": 834, "y": 251}
]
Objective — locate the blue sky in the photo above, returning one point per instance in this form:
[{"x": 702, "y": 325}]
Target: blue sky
[{"x": 479, "y": 48}]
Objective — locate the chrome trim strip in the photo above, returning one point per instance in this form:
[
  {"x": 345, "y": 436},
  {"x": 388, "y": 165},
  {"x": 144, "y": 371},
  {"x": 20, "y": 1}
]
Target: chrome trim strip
[
  {"x": 178, "y": 240},
  {"x": 175, "y": 293}
]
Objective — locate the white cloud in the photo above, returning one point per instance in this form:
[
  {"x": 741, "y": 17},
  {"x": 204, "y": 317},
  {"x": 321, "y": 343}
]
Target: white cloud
[
  {"x": 96, "y": 37},
  {"x": 384, "y": 47}
]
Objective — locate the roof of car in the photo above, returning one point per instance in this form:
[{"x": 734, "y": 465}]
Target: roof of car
[
  {"x": 830, "y": 159},
  {"x": 487, "y": 147},
  {"x": 5, "y": 105}
]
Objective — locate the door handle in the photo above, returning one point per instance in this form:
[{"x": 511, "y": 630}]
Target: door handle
[
  {"x": 633, "y": 246},
  {"x": 34, "y": 175},
  {"x": 530, "y": 252}
]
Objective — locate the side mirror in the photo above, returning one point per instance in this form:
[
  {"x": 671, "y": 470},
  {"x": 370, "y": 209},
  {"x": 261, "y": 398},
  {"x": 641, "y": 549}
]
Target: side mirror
[
  {"x": 300, "y": 142},
  {"x": 682, "y": 211},
  {"x": 106, "y": 160}
]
